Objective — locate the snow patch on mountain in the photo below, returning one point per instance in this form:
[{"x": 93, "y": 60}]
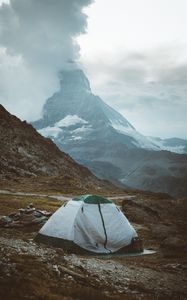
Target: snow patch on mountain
[
  {"x": 70, "y": 120},
  {"x": 50, "y": 131},
  {"x": 180, "y": 149},
  {"x": 75, "y": 138},
  {"x": 61, "y": 127},
  {"x": 140, "y": 140},
  {"x": 82, "y": 129},
  {"x": 119, "y": 126}
]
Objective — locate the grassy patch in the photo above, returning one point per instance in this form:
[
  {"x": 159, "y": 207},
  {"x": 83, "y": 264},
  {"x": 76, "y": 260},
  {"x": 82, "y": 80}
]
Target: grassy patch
[{"x": 10, "y": 203}]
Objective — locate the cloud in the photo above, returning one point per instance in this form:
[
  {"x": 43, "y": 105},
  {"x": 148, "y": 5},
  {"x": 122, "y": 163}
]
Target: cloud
[
  {"x": 37, "y": 40},
  {"x": 149, "y": 88}
]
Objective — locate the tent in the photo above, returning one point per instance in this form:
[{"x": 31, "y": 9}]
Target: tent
[{"x": 90, "y": 223}]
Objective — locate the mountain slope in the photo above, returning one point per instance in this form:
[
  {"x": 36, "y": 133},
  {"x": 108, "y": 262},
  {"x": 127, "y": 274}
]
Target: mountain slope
[
  {"x": 26, "y": 154},
  {"x": 176, "y": 145},
  {"x": 97, "y": 136}
]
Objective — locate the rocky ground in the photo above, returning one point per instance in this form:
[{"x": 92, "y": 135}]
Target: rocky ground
[{"x": 35, "y": 271}]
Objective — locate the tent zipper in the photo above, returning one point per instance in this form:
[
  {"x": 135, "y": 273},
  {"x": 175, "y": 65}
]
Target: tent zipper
[{"x": 102, "y": 219}]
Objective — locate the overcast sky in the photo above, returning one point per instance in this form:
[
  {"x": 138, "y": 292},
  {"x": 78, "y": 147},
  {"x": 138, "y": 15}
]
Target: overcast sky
[{"x": 134, "y": 53}]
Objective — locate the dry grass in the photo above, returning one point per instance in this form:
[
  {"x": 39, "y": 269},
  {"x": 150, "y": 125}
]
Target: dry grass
[{"x": 10, "y": 203}]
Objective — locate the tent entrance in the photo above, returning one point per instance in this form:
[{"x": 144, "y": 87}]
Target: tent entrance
[{"x": 89, "y": 229}]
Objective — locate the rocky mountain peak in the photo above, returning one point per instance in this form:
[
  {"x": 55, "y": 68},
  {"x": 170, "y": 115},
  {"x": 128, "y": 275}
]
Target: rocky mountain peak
[
  {"x": 75, "y": 99},
  {"x": 75, "y": 79}
]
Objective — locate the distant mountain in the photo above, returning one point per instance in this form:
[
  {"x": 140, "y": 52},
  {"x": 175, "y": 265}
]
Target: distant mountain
[
  {"x": 176, "y": 145},
  {"x": 24, "y": 153},
  {"x": 74, "y": 114},
  {"x": 97, "y": 136}
]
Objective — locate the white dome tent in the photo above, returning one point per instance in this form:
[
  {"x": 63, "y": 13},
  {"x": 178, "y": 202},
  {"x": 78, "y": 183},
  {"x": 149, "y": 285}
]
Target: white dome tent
[{"x": 88, "y": 222}]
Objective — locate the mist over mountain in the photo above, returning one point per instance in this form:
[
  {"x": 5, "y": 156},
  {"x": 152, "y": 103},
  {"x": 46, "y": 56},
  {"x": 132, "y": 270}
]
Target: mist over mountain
[
  {"x": 97, "y": 136},
  {"x": 37, "y": 40}
]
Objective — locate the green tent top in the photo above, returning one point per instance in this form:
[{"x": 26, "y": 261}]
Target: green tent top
[{"x": 92, "y": 199}]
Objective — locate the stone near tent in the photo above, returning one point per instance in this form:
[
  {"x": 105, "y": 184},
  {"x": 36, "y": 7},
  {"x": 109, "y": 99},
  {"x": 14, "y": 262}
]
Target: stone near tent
[
  {"x": 24, "y": 217},
  {"x": 5, "y": 220},
  {"x": 88, "y": 223}
]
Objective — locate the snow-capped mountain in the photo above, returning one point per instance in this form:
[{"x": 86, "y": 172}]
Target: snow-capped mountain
[
  {"x": 74, "y": 113},
  {"x": 96, "y": 135}
]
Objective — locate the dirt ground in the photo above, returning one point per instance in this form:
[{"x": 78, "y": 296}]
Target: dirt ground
[{"x": 34, "y": 271}]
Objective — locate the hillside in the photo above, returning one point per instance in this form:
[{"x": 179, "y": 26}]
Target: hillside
[{"x": 27, "y": 157}]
